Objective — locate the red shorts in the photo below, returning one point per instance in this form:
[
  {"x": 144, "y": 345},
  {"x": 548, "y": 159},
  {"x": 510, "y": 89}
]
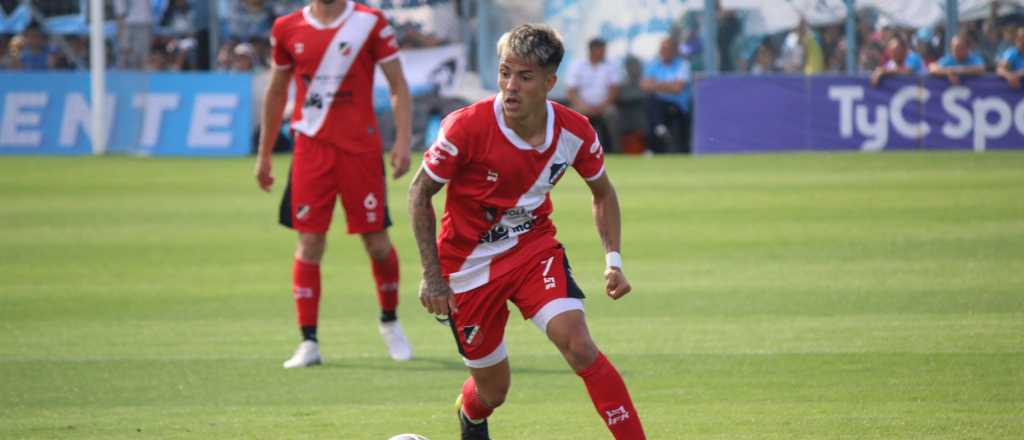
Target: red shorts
[
  {"x": 320, "y": 174},
  {"x": 542, "y": 289}
]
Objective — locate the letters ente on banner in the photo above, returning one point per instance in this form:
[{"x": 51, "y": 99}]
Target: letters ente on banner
[
  {"x": 161, "y": 114},
  {"x": 786, "y": 113}
]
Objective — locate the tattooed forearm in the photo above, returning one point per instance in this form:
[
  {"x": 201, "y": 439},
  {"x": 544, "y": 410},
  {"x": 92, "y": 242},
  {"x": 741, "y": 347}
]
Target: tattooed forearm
[
  {"x": 607, "y": 216},
  {"x": 424, "y": 223}
]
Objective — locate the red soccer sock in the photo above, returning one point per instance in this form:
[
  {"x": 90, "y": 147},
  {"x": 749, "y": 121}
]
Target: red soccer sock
[
  {"x": 306, "y": 291},
  {"x": 385, "y": 272},
  {"x": 611, "y": 399},
  {"x": 472, "y": 407}
]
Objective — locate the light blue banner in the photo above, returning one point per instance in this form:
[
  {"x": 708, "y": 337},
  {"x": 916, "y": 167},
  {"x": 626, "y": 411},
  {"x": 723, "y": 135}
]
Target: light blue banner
[{"x": 179, "y": 114}]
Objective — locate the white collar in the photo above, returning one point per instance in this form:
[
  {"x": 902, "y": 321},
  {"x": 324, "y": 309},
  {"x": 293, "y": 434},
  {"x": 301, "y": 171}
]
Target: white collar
[
  {"x": 514, "y": 138},
  {"x": 307, "y": 13}
]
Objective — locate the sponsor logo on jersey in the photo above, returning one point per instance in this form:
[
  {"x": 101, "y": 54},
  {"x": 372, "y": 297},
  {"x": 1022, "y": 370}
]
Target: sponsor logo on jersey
[
  {"x": 447, "y": 147},
  {"x": 492, "y": 176},
  {"x": 370, "y": 202},
  {"x": 517, "y": 221},
  {"x": 386, "y": 32},
  {"x": 434, "y": 156},
  {"x": 302, "y": 292},
  {"x": 556, "y": 172},
  {"x": 299, "y": 48},
  {"x": 620, "y": 414}
]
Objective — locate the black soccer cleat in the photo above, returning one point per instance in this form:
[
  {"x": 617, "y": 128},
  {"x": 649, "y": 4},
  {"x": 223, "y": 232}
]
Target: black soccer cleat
[{"x": 473, "y": 431}]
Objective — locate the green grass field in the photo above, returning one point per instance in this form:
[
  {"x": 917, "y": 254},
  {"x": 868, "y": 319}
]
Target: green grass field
[{"x": 784, "y": 297}]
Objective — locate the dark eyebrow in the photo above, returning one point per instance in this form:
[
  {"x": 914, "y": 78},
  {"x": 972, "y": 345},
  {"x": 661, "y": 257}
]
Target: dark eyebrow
[{"x": 507, "y": 67}]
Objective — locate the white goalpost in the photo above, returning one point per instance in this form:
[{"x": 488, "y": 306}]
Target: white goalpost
[{"x": 97, "y": 73}]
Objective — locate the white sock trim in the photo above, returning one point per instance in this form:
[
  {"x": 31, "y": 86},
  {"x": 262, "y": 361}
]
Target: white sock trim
[
  {"x": 499, "y": 354},
  {"x": 553, "y": 309}
]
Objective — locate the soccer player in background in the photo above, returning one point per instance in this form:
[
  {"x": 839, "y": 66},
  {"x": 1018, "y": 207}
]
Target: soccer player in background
[
  {"x": 500, "y": 157},
  {"x": 330, "y": 48}
]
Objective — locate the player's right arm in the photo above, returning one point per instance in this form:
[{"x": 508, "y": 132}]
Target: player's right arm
[
  {"x": 435, "y": 294},
  {"x": 274, "y": 101}
]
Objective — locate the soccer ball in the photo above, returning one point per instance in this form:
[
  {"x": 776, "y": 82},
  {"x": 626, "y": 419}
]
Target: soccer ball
[{"x": 408, "y": 437}]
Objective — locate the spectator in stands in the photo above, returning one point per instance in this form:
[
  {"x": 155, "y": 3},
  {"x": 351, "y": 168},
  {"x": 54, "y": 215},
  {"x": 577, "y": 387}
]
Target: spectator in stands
[
  {"x": 801, "y": 51},
  {"x": 158, "y": 59},
  {"x": 871, "y": 54},
  {"x": 630, "y": 104},
  {"x": 181, "y": 54},
  {"x": 5, "y": 53},
  {"x": 959, "y": 61},
  {"x": 75, "y": 54},
  {"x": 831, "y": 43},
  {"x": 1011, "y": 62},
  {"x": 252, "y": 20},
  {"x": 836, "y": 61},
  {"x": 902, "y": 61},
  {"x": 36, "y": 52},
  {"x": 179, "y": 18},
  {"x": 134, "y": 32},
  {"x": 927, "y": 45},
  {"x": 593, "y": 84},
  {"x": 667, "y": 80},
  {"x": 729, "y": 29},
  {"x": 225, "y": 55},
  {"x": 764, "y": 59},
  {"x": 244, "y": 58}
]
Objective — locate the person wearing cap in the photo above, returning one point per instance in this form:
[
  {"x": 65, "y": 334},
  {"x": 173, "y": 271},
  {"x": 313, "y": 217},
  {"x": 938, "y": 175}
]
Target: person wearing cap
[{"x": 244, "y": 58}]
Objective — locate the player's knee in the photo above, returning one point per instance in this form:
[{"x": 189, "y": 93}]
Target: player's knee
[
  {"x": 493, "y": 396},
  {"x": 311, "y": 247},
  {"x": 580, "y": 351},
  {"x": 378, "y": 246}
]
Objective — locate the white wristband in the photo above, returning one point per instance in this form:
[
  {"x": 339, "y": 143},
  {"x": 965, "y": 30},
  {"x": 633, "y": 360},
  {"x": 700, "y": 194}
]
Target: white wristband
[{"x": 613, "y": 259}]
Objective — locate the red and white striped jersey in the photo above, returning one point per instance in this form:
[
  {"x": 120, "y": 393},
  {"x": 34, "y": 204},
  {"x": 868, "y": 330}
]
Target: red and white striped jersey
[
  {"x": 333, "y": 66},
  {"x": 496, "y": 214}
]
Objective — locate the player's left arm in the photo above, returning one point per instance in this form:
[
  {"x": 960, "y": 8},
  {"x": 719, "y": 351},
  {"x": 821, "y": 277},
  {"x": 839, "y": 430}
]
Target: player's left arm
[
  {"x": 608, "y": 219},
  {"x": 401, "y": 105}
]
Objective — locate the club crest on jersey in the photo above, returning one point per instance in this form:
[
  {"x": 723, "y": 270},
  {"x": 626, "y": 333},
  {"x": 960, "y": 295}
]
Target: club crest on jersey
[
  {"x": 470, "y": 333},
  {"x": 299, "y": 48},
  {"x": 345, "y": 48},
  {"x": 556, "y": 172},
  {"x": 314, "y": 100},
  {"x": 302, "y": 212}
]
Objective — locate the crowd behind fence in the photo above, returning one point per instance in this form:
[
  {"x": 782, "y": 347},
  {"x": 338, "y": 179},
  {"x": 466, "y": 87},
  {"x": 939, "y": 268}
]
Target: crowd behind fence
[{"x": 637, "y": 105}]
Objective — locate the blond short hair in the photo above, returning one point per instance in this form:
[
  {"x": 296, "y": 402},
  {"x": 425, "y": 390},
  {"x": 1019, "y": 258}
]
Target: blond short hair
[{"x": 537, "y": 43}]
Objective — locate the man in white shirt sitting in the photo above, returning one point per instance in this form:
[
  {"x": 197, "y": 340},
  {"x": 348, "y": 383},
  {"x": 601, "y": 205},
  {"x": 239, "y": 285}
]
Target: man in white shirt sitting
[{"x": 593, "y": 85}]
